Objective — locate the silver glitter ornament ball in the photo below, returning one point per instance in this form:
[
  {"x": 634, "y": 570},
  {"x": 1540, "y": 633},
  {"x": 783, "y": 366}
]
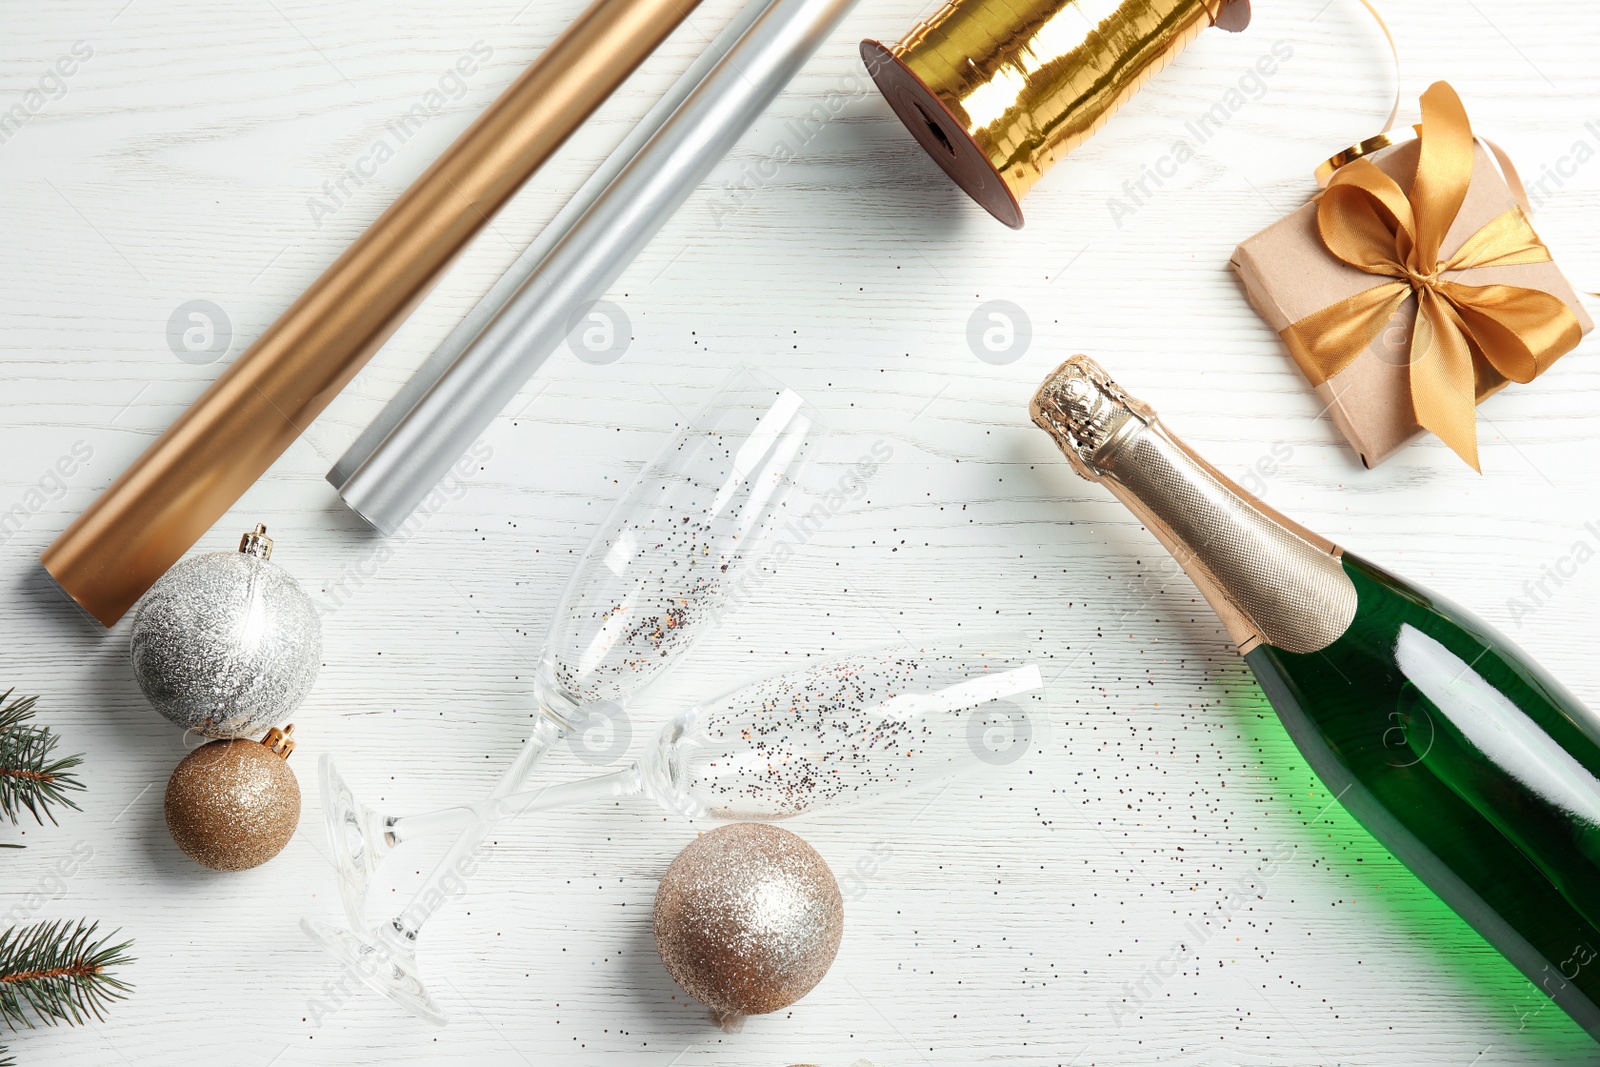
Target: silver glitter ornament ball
[
  {"x": 227, "y": 644},
  {"x": 748, "y": 919}
]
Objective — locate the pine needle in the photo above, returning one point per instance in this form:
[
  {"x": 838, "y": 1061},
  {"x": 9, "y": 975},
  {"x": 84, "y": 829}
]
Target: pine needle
[
  {"x": 57, "y": 972},
  {"x": 32, "y": 777}
]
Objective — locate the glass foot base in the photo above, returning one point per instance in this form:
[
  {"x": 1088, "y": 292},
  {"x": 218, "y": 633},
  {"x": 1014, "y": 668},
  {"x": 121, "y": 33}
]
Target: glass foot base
[
  {"x": 357, "y": 844},
  {"x": 381, "y": 964}
]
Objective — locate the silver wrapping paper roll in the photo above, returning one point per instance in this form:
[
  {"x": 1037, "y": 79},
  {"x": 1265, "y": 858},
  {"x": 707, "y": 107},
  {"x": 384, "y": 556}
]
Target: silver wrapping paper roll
[
  {"x": 423, "y": 445},
  {"x": 516, "y": 275}
]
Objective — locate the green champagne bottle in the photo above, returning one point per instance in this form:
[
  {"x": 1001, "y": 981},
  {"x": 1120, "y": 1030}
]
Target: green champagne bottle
[{"x": 1470, "y": 764}]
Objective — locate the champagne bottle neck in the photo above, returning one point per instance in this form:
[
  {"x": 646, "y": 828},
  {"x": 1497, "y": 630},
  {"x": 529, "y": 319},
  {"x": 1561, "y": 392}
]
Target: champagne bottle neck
[{"x": 1269, "y": 579}]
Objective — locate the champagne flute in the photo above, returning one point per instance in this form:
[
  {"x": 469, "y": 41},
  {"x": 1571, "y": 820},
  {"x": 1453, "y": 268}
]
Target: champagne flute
[
  {"x": 838, "y": 734},
  {"x": 672, "y": 556}
]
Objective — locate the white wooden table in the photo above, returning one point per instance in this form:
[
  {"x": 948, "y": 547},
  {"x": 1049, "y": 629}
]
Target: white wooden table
[{"x": 1016, "y": 919}]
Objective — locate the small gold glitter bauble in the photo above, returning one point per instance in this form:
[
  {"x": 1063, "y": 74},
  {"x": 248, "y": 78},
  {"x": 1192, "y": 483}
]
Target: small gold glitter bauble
[
  {"x": 748, "y": 919},
  {"x": 233, "y": 805}
]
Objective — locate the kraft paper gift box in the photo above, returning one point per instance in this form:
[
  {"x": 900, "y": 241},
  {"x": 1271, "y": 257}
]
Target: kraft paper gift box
[{"x": 1288, "y": 273}]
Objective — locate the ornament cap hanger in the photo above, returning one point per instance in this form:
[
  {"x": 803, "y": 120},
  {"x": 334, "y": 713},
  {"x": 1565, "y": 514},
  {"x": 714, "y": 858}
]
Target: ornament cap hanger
[
  {"x": 256, "y": 543},
  {"x": 280, "y": 742}
]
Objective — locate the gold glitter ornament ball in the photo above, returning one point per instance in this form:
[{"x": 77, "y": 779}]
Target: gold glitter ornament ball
[
  {"x": 232, "y": 805},
  {"x": 748, "y": 919}
]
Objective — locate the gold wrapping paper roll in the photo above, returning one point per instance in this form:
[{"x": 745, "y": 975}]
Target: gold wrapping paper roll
[
  {"x": 996, "y": 91},
  {"x": 197, "y": 469}
]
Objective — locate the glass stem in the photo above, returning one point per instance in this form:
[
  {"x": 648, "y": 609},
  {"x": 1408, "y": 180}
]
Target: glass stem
[
  {"x": 626, "y": 782},
  {"x": 446, "y": 878}
]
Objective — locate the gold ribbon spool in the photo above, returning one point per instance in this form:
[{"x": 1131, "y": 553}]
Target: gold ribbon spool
[{"x": 996, "y": 91}]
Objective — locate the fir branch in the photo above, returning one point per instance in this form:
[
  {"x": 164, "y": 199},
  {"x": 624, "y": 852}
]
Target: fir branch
[
  {"x": 56, "y": 972},
  {"x": 32, "y": 777}
]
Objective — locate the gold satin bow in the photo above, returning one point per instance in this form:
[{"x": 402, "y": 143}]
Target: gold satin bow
[{"x": 1367, "y": 221}]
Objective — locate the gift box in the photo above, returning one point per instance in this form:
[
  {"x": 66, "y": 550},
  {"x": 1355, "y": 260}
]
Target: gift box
[{"x": 1495, "y": 307}]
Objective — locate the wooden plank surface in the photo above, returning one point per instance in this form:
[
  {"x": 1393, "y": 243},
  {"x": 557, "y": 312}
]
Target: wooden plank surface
[{"x": 1016, "y": 920}]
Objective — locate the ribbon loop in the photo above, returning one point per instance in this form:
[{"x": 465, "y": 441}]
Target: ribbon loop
[{"x": 1367, "y": 221}]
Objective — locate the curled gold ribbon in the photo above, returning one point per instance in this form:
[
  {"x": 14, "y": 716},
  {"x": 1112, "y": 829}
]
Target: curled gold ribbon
[{"x": 1367, "y": 221}]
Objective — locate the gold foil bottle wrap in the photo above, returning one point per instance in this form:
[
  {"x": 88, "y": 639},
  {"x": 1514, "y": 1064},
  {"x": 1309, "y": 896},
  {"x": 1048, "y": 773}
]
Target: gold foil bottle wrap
[
  {"x": 1268, "y": 578},
  {"x": 997, "y": 91},
  {"x": 189, "y": 477}
]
